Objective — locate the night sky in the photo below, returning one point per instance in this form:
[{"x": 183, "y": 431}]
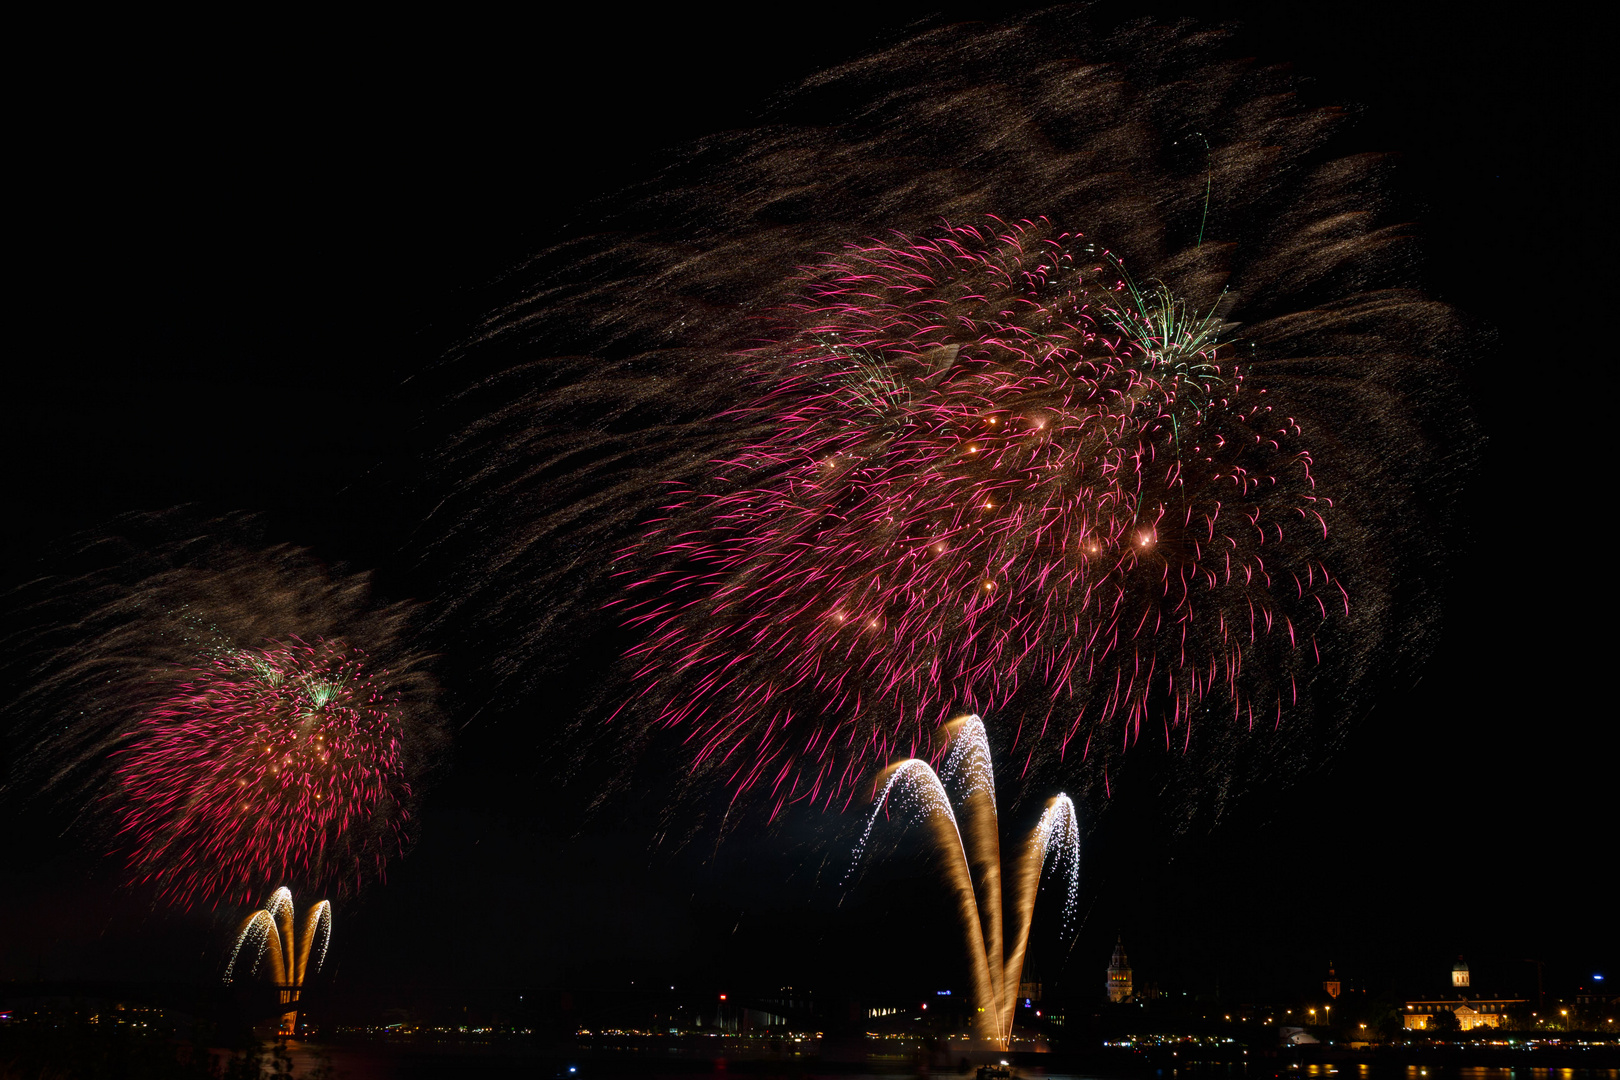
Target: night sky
[{"x": 240, "y": 243}]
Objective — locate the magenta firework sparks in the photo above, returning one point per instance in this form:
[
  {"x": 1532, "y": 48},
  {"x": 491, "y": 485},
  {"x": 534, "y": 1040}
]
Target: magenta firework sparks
[
  {"x": 849, "y": 492},
  {"x": 266, "y": 762},
  {"x": 228, "y": 717},
  {"x": 991, "y": 463}
]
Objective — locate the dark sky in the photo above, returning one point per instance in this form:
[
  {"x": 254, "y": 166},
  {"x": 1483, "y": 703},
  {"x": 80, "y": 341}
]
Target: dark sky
[{"x": 239, "y": 241}]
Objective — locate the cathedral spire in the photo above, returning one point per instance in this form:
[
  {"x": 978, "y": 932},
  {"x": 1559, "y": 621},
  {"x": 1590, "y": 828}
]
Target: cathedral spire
[{"x": 1119, "y": 974}]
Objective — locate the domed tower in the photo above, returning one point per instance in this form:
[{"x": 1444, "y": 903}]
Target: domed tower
[
  {"x": 1459, "y": 972},
  {"x": 1119, "y": 975}
]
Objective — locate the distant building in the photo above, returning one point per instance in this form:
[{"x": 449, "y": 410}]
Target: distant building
[
  {"x": 1470, "y": 1014},
  {"x": 1600, "y": 998},
  {"x": 1119, "y": 975},
  {"x": 1330, "y": 985}
]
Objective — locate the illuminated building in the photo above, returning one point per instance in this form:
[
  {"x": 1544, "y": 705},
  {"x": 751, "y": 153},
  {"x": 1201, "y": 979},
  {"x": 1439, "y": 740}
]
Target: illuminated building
[
  {"x": 1480, "y": 1012},
  {"x": 1470, "y": 1014},
  {"x": 1330, "y": 985},
  {"x": 1119, "y": 975}
]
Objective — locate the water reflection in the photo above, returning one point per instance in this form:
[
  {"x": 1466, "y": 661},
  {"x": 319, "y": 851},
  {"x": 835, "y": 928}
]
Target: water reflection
[{"x": 395, "y": 1061}]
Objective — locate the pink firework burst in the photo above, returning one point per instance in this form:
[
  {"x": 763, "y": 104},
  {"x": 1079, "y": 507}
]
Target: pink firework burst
[
  {"x": 283, "y": 762},
  {"x": 992, "y": 474}
]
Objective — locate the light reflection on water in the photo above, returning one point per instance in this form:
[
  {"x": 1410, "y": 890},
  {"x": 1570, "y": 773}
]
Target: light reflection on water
[
  {"x": 384, "y": 1061},
  {"x": 1281, "y": 1070},
  {"x": 1385, "y": 1071}
]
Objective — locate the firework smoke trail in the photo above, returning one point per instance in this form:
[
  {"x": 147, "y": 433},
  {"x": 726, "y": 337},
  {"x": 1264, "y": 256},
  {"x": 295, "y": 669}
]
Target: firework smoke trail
[
  {"x": 915, "y": 782},
  {"x": 772, "y": 419},
  {"x": 968, "y": 764},
  {"x": 226, "y": 715},
  {"x": 1056, "y": 838}
]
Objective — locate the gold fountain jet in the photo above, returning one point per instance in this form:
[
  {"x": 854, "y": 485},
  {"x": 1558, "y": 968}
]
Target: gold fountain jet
[
  {"x": 270, "y": 929},
  {"x": 973, "y": 867}
]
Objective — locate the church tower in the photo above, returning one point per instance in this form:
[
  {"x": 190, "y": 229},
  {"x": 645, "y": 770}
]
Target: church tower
[
  {"x": 1119, "y": 975},
  {"x": 1330, "y": 985},
  {"x": 1459, "y": 972}
]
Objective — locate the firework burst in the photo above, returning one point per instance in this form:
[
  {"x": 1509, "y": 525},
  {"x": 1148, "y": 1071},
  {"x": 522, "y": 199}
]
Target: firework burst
[
  {"x": 263, "y": 763},
  {"x": 993, "y": 466},
  {"x": 851, "y": 487},
  {"x": 229, "y": 716}
]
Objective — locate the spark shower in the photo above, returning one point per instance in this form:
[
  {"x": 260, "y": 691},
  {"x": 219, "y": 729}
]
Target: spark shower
[{"x": 973, "y": 867}]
